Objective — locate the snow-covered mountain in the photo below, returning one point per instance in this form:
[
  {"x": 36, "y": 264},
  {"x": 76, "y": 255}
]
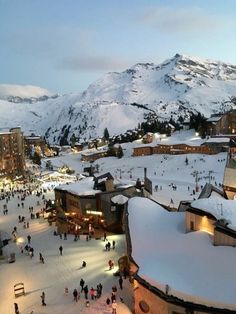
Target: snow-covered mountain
[
  {"x": 197, "y": 84},
  {"x": 119, "y": 101},
  {"x": 24, "y": 93}
]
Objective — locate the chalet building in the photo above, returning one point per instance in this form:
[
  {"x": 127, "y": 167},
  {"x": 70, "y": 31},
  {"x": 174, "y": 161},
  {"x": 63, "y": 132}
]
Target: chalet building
[
  {"x": 229, "y": 183},
  {"x": 152, "y": 295},
  {"x": 12, "y": 160},
  {"x": 222, "y": 123},
  {"x": 97, "y": 142},
  {"x": 211, "y": 220},
  {"x": 219, "y": 143},
  {"x": 78, "y": 147},
  {"x": 210, "y": 213},
  {"x": 94, "y": 154},
  {"x": 32, "y": 143},
  {"x": 142, "y": 151},
  {"x": 175, "y": 149},
  {"x": 148, "y": 138},
  {"x": 88, "y": 202},
  {"x": 228, "y": 142}
]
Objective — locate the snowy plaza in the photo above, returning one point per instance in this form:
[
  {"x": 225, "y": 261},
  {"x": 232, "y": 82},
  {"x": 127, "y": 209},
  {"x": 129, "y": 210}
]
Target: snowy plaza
[{"x": 58, "y": 272}]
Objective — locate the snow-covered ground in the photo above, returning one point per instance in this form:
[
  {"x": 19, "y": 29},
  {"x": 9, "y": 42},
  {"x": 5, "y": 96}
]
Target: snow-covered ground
[
  {"x": 58, "y": 271},
  {"x": 164, "y": 170}
]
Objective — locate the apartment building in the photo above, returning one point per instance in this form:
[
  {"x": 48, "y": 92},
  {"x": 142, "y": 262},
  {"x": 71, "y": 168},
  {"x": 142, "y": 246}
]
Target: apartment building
[{"x": 12, "y": 152}]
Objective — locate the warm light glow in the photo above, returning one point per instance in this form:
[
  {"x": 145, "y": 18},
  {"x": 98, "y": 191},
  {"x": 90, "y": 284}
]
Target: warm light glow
[
  {"x": 93, "y": 212},
  {"x": 197, "y": 134},
  {"x": 206, "y": 225},
  {"x": 20, "y": 240}
]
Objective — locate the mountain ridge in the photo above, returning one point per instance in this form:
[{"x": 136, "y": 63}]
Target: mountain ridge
[
  {"x": 24, "y": 93},
  {"x": 176, "y": 87}
]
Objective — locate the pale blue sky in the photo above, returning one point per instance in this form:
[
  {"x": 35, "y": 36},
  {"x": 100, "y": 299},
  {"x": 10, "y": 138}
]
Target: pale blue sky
[{"x": 64, "y": 45}]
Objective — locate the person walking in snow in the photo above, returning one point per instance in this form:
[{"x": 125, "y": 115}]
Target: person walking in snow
[
  {"x": 31, "y": 252},
  {"x": 82, "y": 284},
  {"x": 75, "y": 294},
  {"x": 60, "y": 249},
  {"x": 91, "y": 292},
  {"x": 111, "y": 264},
  {"x": 86, "y": 292},
  {"x": 43, "y": 298},
  {"x": 16, "y": 308},
  {"x": 113, "y": 297},
  {"x": 105, "y": 236},
  {"x": 121, "y": 283},
  {"x": 41, "y": 259},
  {"x": 29, "y": 238},
  {"x": 114, "y": 307},
  {"x": 99, "y": 289}
]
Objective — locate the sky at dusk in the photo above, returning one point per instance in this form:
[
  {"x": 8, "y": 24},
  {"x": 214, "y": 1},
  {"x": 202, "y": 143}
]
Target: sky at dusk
[{"x": 64, "y": 45}]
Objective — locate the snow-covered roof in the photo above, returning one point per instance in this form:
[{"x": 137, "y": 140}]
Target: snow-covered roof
[
  {"x": 214, "y": 119},
  {"x": 119, "y": 199},
  {"x": 187, "y": 137},
  {"x": 171, "y": 126},
  {"x": 32, "y": 137},
  {"x": 95, "y": 151},
  {"x": 218, "y": 140},
  {"x": 166, "y": 254},
  {"x": 83, "y": 187},
  {"x": 220, "y": 208}
]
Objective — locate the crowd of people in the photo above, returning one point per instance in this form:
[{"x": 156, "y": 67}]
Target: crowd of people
[{"x": 23, "y": 222}]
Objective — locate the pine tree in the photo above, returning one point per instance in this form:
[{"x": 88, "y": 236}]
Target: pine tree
[
  {"x": 73, "y": 140},
  {"x": 120, "y": 153},
  {"x": 106, "y": 134}
]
